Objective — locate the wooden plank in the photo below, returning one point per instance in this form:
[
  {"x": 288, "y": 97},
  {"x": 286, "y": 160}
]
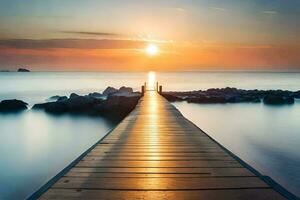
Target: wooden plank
[
  {"x": 196, "y": 163},
  {"x": 160, "y": 183},
  {"x": 212, "y": 171},
  {"x": 245, "y": 194}
]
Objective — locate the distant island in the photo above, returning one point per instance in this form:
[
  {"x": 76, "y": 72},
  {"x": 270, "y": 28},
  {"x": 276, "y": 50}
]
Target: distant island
[
  {"x": 19, "y": 70},
  {"x": 23, "y": 70}
]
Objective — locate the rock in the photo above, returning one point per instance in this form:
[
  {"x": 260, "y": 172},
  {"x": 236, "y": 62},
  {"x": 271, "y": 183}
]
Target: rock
[
  {"x": 289, "y": 100},
  {"x": 114, "y": 106},
  {"x": 52, "y": 107},
  {"x": 81, "y": 103},
  {"x": 73, "y": 95},
  {"x": 234, "y": 95},
  {"x": 23, "y": 70},
  {"x": 206, "y": 99},
  {"x": 124, "y": 89},
  {"x": 57, "y": 98},
  {"x": 53, "y": 98},
  {"x": 75, "y": 104},
  {"x": 96, "y": 95},
  {"x": 12, "y": 105},
  {"x": 296, "y": 94},
  {"x": 278, "y": 100},
  {"x": 243, "y": 99},
  {"x": 62, "y": 98},
  {"x": 109, "y": 91},
  {"x": 172, "y": 98},
  {"x": 125, "y": 94},
  {"x": 117, "y": 106}
]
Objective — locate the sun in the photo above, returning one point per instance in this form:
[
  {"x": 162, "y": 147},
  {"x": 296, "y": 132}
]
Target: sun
[{"x": 151, "y": 49}]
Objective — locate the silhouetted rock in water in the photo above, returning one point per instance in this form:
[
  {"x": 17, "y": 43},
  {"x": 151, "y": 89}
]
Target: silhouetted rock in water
[
  {"x": 96, "y": 95},
  {"x": 57, "y": 98},
  {"x": 75, "y": 104},
  {"x": 124, "y": 89},
  {"x": 109, "y": 91},
  {"x": 73, "y": 95},
  {"x": 62, "y": 98},
  {"x": 115, "y": 106},
  {"x": 206, "y": 99},
  {"x": 172, "y": 98},
  {"x": 12, "y": 105},
  {"x": 231, "y": 95},
  {"x": 23, "y": 70},
  {"x": 57, "y": 107},
  {"x": 278, "y": 100},
  {"x": 296, "y": 95}
]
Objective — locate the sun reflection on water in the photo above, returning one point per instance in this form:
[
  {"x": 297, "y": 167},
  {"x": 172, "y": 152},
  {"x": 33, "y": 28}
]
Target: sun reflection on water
[{"x": 151, "y": 80}]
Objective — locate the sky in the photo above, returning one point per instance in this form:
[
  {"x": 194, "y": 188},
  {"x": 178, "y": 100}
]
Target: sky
[{"x": 96, "y": 35}]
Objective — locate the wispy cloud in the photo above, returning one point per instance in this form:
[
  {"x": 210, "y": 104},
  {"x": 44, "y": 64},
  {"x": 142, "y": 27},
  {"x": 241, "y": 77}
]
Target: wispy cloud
[
  {"x": 270, "y": 12},
  {"x": 72, "y": 43},
  {"x": 179, "y": 9},
  {"x": 219, "y": 8},
  {"x": 107, "y": 34}
]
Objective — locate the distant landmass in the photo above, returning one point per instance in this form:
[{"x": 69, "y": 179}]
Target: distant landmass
[
  {"x": 23, "y": 70},
  {"x": 19, "y": 70}
]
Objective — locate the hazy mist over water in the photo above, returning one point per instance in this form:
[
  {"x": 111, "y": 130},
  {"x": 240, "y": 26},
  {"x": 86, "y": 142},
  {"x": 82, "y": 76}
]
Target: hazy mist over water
[{"x": 40, "y": 145}]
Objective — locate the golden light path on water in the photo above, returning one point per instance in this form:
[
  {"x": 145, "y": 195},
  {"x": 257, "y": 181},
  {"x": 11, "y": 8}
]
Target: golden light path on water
[{"x": 151, "y": 80}]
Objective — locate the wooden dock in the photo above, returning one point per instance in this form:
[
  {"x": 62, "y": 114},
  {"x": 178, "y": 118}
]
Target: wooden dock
[{"x": 156, "y": 153}]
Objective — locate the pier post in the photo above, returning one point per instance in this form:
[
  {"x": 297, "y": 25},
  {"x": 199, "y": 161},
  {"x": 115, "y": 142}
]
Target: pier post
[
  {"x": 160, "y": 89},
  {"x": 143, "y": 89}
]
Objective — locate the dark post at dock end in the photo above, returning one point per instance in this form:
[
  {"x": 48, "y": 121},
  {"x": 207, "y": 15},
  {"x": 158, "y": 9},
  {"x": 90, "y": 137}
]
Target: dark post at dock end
[
  {"x": 160, "y": 89},
  {"x": 143, "y": 89}
]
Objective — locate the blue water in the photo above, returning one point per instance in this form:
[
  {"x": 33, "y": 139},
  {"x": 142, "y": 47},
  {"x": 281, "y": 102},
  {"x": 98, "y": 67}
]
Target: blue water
[{"x": 35, "y": 146}]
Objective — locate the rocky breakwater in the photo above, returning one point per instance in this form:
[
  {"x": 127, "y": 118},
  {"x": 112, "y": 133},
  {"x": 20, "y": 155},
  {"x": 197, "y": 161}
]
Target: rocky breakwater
[
  {"x": 113, "y": 103},
  {"x": 234, "y": 95}
]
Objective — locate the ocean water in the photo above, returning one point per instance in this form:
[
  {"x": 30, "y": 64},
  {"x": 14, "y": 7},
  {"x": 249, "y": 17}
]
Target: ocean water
[{"x": 35, "y": 146}]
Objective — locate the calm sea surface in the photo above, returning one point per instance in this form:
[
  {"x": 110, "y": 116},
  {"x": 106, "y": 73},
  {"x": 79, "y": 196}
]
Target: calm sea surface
[{"x": 35, "y": 146}]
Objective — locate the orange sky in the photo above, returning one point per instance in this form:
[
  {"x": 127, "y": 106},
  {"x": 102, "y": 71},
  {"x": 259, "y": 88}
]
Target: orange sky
[
  {"x": 170, "y": 57},
  {"x": 112, "y": 35}
]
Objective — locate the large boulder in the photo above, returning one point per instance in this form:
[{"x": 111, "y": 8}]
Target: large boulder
[
  {"x": 57, "y": 107},
  {"x": 81, "y": 103},
  {"x": 278, "y": 100},
  {"x": 73, "y": 95},
  {"x": 76, "y": 104},
  {"x": 109, "y": 90},
  {"x": 12, "y": 105},
  {"x": 96, "y": 95},
  {"x": 117, "y": 106},
  {"x": 57, "y": 98},
  {"x": 124, "y": 89}
]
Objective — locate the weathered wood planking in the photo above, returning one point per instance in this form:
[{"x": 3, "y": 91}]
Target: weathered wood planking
[{"x": 155, "y": 153}]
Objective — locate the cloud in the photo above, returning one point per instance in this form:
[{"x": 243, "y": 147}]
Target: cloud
[
  {"x": 72, "y": 43},
  {"x": 179, "y": 9},
  {"x": 91, "y": 33},
  {"x": 219, "y": 8},
  {"x": 270, "y": 12}
]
